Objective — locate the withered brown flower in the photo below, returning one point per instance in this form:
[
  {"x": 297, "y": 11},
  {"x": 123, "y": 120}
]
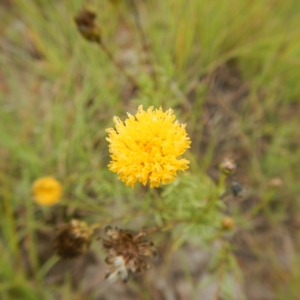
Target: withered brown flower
[
  {"x": 127, "y": 253},
  {"x": 86, "y": 25},
  {"x": 73, "y": 239}
]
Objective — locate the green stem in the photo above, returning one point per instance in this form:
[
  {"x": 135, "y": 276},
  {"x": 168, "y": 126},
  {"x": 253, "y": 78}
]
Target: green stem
[
  {"x": 109, "y": 221},
  {"x": 141, "y": 32},
  {"x": 31, "y": 237},
  {"x": 118, "y": 65},
  {"x": 8, "y": 221}
]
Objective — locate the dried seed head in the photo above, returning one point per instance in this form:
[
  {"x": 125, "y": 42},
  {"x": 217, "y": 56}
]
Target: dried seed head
[
  {"x": 73, "y": 239},
  {"x": 228, "y": 166},
  {"x": 127, "y": 253},
  {"x": 87, "y": 26}
]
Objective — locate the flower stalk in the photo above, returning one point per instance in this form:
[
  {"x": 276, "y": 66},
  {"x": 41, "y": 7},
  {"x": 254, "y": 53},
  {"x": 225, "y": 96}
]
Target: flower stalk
[
  {"x": 90, "y": 31},
  {"x": 143, "y": 38}
]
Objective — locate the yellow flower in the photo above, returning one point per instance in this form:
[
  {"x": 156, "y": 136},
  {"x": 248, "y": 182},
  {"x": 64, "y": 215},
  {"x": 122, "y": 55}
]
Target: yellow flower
[
  {"x": 146, "y": 146},
  {"x": 47, "y": 191}
]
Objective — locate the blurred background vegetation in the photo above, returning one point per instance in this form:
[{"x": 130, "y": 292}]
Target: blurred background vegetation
[{"x": 229, "y": 69}]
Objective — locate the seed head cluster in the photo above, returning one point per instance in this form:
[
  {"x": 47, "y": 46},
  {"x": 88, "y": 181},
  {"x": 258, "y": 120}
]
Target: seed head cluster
[
  {"x": 127, "y": 253},
  {"x": 73, "y": 239}
]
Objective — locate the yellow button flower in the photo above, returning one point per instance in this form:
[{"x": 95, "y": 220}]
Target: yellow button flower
[
  {"x": 47, "y": 191},
  {"x": 146, "y": 147}
]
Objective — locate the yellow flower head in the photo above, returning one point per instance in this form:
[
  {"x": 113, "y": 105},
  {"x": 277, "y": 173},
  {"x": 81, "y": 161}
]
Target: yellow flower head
[
  {"x": 146, "y": 146},
  {"x": 46, "y": 191}
]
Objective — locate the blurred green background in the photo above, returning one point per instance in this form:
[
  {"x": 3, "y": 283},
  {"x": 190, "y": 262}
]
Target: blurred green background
[{"x": 229, "y": 69}]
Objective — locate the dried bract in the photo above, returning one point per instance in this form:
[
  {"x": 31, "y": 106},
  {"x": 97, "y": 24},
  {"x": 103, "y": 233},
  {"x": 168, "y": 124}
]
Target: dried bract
[
  {"x": 73, "y": 239},
  {"x": 127, "y": 253}
]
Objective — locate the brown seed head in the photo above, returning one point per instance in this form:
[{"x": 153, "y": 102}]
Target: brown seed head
[
  {"x": 86, "y": 25},
  {"x": 127, "y": 253},
  {"x": 73, "y": 239},
  {"x": 228, "y": 166}
]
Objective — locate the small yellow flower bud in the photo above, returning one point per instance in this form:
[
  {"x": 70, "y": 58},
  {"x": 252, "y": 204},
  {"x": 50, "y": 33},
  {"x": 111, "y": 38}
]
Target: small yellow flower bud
[{"x": 227, "y": 223}]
